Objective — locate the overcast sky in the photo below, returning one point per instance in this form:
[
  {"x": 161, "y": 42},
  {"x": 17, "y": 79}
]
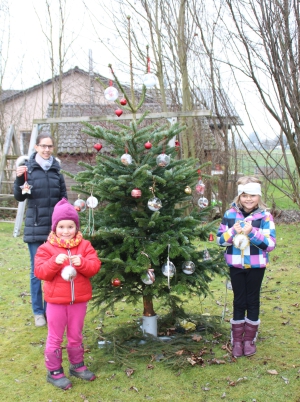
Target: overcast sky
[{"x": 28, "y": 54}]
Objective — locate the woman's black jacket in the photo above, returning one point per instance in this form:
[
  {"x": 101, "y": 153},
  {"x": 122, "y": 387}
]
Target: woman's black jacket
[{"x": 48, "y": 187}]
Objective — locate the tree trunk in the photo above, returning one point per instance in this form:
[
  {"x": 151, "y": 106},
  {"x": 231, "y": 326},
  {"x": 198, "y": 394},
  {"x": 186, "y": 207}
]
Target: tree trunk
[{"x": 148, "y": 306}]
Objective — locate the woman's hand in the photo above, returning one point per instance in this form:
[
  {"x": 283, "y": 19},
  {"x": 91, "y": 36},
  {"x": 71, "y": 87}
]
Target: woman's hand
[{"x": 21, "y": 170}]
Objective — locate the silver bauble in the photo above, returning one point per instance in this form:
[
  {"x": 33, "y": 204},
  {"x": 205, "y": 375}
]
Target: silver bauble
[
  {"x": 188, "y": 267},
  {"x": 92, "y": 202},
  {"x": 148, "y": 278},
  {"x": 163, "y": 160},
  {"x": 126, "y": 159},
  {"x": 80, "y": 205},
  {"x": 154, "y": 204},
  {"x": 168, "y": 269}
]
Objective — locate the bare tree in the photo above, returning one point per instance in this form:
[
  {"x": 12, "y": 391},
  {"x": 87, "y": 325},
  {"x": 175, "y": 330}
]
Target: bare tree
[
  {"x": 54, "y": 31},
  {"x": 4, "y": 50},
  {"x": 265, "y": 39}
]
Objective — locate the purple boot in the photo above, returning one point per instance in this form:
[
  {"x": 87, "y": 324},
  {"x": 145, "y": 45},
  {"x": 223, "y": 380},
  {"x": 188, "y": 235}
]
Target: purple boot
[
  {"x": 77, "y": 367},
  {"x": 251, "y": 330},
  {"x": 55, "y": 374},
  {"x": 237, "y": 332}
]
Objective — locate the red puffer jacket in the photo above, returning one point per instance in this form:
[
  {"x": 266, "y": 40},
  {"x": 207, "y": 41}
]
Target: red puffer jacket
[{"x": 56, "y": 289}]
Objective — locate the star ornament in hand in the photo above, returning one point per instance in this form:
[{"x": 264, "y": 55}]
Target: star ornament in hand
[{"x": 26, "y": 188}]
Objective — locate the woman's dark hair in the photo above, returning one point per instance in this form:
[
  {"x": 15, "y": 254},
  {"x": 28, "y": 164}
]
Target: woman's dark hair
[{"x": 41, "y": 136}]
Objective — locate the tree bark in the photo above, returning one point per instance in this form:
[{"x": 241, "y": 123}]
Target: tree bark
[{"x": 148, "y": 306}]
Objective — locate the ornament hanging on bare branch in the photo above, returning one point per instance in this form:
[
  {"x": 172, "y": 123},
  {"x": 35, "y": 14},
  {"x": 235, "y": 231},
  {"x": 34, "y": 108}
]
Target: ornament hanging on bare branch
[
  {"x": 149, "y": 79},
  {"x": 111, "y": 93}
]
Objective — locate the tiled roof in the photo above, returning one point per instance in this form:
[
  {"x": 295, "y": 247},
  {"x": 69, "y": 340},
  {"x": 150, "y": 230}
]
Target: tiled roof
[
  {"x": 72, "y": 139},
  {"x": 8, "y": 93}
]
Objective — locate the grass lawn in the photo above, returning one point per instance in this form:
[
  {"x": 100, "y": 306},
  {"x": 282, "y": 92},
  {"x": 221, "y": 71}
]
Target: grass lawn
[{"x": 273, "y": 374}]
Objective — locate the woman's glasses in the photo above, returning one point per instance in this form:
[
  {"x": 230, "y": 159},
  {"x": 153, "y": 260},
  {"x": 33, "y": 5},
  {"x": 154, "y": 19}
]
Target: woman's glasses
[{"x": 45, "y": 146}]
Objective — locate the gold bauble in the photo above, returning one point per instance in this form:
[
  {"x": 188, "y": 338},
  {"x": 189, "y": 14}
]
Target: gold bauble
[{"x": 188, "y": 190}]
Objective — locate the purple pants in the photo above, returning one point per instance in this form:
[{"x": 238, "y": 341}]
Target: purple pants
[{"x": 61, "y": 318}]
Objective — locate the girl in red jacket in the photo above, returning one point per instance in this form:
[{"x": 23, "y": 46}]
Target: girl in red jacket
[{"x": 65, "y": 263}]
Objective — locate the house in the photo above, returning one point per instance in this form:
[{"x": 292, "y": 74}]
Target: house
[
  {"x": 78, "y": 93},
  {"x": 81, "y": 95}
]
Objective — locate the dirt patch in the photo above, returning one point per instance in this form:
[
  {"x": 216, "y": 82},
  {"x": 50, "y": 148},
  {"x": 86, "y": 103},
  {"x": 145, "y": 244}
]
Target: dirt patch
[{"x": 286, "y": 216}]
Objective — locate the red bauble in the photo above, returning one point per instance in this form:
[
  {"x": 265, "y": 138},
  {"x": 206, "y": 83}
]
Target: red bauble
[
  {"x": 136, "y": 193},
  {"x": 177, "y": 143},
  {"x": 123, "y": 101},
  {"x": 211, "y": 237},
  {"x": 119, "y": 112},
  {"x": 98, "y": 147},
  {"x": 116, "y": 282},
  {"x": 148, "y": 145}
]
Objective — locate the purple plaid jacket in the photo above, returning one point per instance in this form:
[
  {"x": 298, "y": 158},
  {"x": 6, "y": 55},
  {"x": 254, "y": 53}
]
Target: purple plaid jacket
[{"x": 262, "y": 238}]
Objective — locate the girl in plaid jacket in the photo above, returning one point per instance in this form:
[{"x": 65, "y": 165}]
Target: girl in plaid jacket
[{"x": 248, "y": 232}]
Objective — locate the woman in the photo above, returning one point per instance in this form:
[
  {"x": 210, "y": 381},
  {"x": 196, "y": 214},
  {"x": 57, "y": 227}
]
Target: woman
[{"x": 41, "y": 183}]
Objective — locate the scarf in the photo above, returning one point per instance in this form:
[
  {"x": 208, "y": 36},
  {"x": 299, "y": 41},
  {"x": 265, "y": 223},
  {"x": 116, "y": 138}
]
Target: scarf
[
  {"x": 58, "y": 242},
  {"x": 45, "y": 164}
]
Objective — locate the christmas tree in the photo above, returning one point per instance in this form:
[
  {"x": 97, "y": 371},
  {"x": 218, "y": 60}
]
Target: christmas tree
[{"x": 146, "y": 227}]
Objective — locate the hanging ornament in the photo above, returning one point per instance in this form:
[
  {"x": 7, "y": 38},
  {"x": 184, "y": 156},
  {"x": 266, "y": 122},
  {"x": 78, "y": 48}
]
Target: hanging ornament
[
  {"x": 149, "y": 80},
  {"x": 188, "y": 190},
  {"x": 111, "y": 93},
  {"x": 98, "y": 147},
  {"x": 154, "y": 204},
  {"x": 200, "y": 187},
  {"x": 203, "y": 202},
  {"x": 80, "y": 205},
  {"x": 26, "y": 187},
  {"x": 211, "y": 237},
  {"x": 149, "y": 277},
  {"x": 148, "y": 145},
  {"x": 214, "y": 202},
  {"x": 188, "y": 267},
  {"x": 168, "y": 269},
  {"x": 163, "y": 160},
  {"x": 92, "y": 202},
  {"x": 136, "y": 193},
  {"x": 119, "y": 112},
  {"x": 68, "y": 273},
  {"x": 116, "y": 282},
  {"x": 177, "y": 145},
  {"x": 123, "y": 101},
  {"x": 206, "y": 255},
  {"x": 126, "y": 159}
]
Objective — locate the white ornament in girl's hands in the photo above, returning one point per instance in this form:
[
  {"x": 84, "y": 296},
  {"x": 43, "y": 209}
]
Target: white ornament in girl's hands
[
  {"x": 241, "y": 241},
  {"x": 68, "y": 273}
]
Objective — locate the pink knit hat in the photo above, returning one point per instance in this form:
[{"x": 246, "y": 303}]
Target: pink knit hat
[{"x": 63, "y": 210}]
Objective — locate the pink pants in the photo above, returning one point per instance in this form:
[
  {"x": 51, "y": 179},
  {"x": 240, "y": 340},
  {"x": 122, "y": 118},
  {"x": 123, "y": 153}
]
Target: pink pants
[{"x": 61, "y": 317}]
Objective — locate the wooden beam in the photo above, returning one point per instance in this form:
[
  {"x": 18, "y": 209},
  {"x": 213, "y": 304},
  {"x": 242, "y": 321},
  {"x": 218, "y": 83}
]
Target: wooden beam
[{"x": 154, "y": 115}]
